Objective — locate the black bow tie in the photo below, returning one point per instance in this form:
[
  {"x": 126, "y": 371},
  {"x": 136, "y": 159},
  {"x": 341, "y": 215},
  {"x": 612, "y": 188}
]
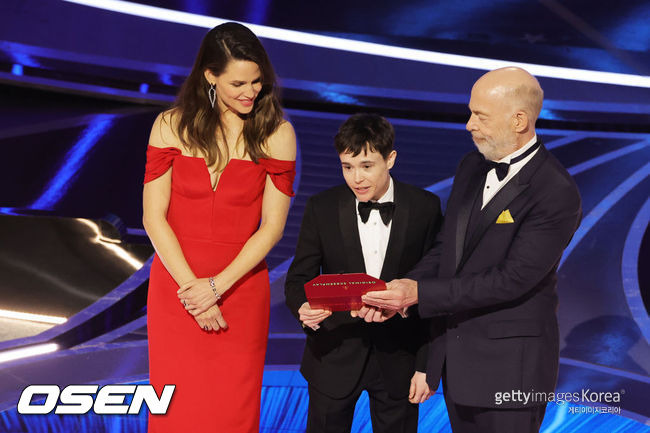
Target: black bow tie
[
  {"x": 385, "y": 210},
  {"x": 502, "y": 168}
]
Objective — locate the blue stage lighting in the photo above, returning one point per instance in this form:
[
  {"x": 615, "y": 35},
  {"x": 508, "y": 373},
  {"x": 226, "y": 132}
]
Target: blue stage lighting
[
  {"x": 257, "y": 11},
  {"x": 24, "y": 59},
  {"x": 604, "y": 206},
  {"x": 17, "y": 69},
  {"x": 356, "y": 46},
  {"x": 340, "y": 98},
  {"x": 73, "y": 162},
  {"x": 166, "y": 78}
]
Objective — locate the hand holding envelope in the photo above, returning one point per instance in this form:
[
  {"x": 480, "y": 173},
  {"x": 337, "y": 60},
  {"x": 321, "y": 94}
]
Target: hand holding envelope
[
  {"x": 399, "y": 294},
  {"x": 312, "y": 317},
  {"x": 341, "y": 292},
  {"x": 372, "y": 314},
  {"x": 346, "y": 292}
]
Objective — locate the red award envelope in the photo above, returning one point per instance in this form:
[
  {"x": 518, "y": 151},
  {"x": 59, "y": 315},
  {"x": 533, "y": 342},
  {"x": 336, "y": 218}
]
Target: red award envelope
[{"x": 340, "y": 292}]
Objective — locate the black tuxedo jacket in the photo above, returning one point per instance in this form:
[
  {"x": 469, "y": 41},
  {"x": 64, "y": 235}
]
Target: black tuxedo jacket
[
  {"x": 329, "y": 243},
  {"x": 495, "y": 285}
]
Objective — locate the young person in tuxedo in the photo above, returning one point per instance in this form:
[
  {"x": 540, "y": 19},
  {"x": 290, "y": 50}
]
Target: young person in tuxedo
[
  {"x": 492, "y": 274},
  {"x": 377, "y": 225}
]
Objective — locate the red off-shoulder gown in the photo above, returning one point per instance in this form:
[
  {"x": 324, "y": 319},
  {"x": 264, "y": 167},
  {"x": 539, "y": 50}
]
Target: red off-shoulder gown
[{"x": 218, "y": 376}]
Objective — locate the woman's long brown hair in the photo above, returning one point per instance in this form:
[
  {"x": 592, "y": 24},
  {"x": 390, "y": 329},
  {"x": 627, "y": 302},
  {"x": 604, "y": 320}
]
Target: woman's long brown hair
[{"x": 199, "y": 124}]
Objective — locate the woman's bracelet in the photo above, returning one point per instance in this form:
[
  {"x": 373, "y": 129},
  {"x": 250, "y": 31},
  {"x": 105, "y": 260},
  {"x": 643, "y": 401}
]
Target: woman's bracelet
[{"x": 214, "y": 288}]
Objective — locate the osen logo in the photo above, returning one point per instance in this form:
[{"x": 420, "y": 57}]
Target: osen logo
[{"x": 80, "y": 399}]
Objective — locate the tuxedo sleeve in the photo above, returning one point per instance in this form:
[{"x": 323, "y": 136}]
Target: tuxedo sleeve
[
  {"x": 534, "y": 252},
  {"x": 306, "y": 263},
  {"x": 428, "y": 265},
  {"x": 433, "y": 229}
]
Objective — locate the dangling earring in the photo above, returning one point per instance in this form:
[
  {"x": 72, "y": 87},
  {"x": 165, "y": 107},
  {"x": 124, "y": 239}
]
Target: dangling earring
[{"x": 212, "y": 94}]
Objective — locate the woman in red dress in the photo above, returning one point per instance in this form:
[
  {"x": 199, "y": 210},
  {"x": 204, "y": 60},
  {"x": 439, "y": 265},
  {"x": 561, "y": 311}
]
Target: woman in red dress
[{"x": 218, "y": 181}]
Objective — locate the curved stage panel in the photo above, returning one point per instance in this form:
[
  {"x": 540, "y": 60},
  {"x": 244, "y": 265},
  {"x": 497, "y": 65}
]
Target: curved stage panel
[{"x": 59, "y": 266}]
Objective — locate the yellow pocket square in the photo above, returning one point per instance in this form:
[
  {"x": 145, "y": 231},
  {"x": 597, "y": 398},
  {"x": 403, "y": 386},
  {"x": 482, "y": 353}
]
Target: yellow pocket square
[{"x": 505, "y": 217}]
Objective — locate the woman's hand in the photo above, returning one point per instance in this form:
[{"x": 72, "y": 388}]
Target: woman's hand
[
  {"x": 419, "y": 392},
  {"x": 198, "y": 295},
  {"x": 211, "y": 319}
]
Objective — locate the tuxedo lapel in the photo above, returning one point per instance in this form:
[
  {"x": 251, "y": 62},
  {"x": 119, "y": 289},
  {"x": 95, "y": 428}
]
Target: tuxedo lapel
[
  {"x": 489, "y": 215},
  {"x": 350, "y": 233},
  {"x": 397, "y": 234},
  {"x": 518, "y": 184},
  {"x": 470, "y": 194}
]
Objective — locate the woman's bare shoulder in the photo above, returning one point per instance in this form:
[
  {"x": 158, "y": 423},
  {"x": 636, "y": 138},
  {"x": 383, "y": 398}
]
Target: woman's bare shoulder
[
  {"x": 282, "y": 143},
  {"x": 164, "y": 132}
]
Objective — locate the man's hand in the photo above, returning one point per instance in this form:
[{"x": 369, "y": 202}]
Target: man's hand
[
  {"x": 399, "y": 294},
  {"x": 312, "y": 317},
  {"x": 419, "y": 392},
  {"x": 372, "y": 314}
]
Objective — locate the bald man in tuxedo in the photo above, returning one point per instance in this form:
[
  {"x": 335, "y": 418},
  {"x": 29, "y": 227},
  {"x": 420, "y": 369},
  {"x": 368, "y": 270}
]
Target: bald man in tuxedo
[{"x": 492, "y": 274}]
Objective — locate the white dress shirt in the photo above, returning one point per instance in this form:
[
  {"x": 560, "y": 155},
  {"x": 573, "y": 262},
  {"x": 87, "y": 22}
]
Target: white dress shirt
[
  {"x": 374, "y": 235},
  {"x": 492, "y": 182}
]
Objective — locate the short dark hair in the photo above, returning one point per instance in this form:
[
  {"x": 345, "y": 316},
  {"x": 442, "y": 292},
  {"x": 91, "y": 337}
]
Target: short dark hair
[{"x": 362, "y": 131}]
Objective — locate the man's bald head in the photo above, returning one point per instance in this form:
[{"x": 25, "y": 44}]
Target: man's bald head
[
  {"x": 517, "y": 87},
  {"x": 505, "y": 104}
]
